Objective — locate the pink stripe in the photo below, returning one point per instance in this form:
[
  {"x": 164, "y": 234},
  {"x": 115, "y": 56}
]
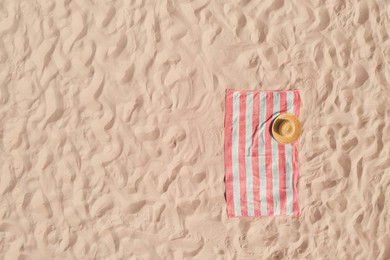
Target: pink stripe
[
  {"x": 268, "y": 156},
  {"x": 282, "y": 161},
  {"x": 296, "y": 210},
  {"x": 255, "y": 153},
  {"x": 228, "y": 153},
  {"x": 241, "y": 155}
]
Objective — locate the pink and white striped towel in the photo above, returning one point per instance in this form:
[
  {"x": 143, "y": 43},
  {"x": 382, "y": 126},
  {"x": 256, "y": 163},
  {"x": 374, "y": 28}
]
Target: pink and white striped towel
[{"x": 261, "y": 174}]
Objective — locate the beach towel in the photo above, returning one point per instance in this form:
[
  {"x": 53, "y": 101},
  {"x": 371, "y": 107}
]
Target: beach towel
[{"x": 261, "y": 175}]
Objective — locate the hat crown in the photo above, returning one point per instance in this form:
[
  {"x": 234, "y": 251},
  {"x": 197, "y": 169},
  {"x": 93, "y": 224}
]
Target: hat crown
[{"x": 286, "y": 128}]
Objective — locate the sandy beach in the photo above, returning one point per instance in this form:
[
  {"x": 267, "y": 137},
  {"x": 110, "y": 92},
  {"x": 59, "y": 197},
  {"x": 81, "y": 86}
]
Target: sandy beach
[{"x": 112, "y": 127}]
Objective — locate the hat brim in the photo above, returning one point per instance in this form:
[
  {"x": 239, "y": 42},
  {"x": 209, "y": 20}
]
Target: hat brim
[{"x": 286, "y": 139}]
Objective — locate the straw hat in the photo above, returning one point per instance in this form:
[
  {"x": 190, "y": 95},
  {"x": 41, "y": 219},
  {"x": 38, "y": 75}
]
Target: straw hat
[{"x": 286, "y": 128}]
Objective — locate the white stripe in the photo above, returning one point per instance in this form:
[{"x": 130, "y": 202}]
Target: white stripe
[
  {"x": 275, "y": 158},
  {"x": 261, "y": 146},
  {"x": 248, "y": 154},
  {"x": 289, "y": 167},
  {"x": 235, "y": 162}
]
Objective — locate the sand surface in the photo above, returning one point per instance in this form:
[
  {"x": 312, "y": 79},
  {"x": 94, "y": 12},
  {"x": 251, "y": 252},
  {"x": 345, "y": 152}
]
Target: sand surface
[{"x": 111, "y": 126}]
